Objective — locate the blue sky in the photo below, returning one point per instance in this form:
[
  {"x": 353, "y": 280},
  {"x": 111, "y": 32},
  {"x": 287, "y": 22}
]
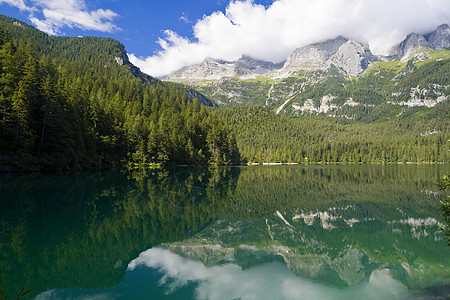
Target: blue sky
[
  {"x": 162, "y": 36},
  {"x": 137, "y": 24}
]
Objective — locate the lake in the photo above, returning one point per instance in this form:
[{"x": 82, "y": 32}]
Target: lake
[{"x": 284, "y": 232}]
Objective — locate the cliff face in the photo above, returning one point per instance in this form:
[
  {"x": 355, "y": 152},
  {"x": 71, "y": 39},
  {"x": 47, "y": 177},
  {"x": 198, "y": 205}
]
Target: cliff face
[
  {"x": 313, "y": 78},
  {"x": 412, "y": 41},
  {"x": 440, "y": 38},
  {"x": 124, "y": 61},
  {"x": 313, "y": 56},
  {"x": 351, "y": 57},
  {"x": 214, "y": 69}
]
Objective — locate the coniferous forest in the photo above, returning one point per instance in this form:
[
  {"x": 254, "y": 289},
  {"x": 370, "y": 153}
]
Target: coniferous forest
[
  {"x": 71, "y": 104},
  {"x": 66, "y": 104}
]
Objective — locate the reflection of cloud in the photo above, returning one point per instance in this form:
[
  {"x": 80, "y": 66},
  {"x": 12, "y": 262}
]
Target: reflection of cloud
[
  {"x": 61, "y": 294},
  {"x": 268, "y": 281}
]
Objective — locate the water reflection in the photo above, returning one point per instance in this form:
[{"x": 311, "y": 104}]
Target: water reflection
[
  {"x": 80, "y": 231},
  {"x": 313, "y": 231},
  {"x": 266, "y": 281}
]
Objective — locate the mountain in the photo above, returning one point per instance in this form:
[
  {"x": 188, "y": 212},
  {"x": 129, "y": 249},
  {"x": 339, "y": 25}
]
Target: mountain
[
  {"x": 78, "y": 103},
  {"x": 311, "y": 57},
  {"x": 351, "y": 57},
  {"x": 211, "y": 69},
  {"x": 440, "y": 38},
  {"x": 412, "y": 41},
  {"x": 67, "y": 48},
  {"x": 340, "y": 77}
]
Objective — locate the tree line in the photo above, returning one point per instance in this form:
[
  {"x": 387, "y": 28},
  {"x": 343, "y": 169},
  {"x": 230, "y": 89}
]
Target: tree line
[
  {"x": 59, "y": 113},
  {"x": 66, "y": 104},
  {"x": 263, "y": 136}
]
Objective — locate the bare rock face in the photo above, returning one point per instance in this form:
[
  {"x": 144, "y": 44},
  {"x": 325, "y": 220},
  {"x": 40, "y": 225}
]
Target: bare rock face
[
  {"x": 207, "y": 69},
  {"x": 255, "y": 66},
  {"x": 351, "y": 58},
  {"x": 201, "y": 99},
  {"x": 440, "y": 38},
  {"x": 313, "y": 56},
  {"x": 213, "y": 69},
  {"x": 412, "y": 41},
  {"x": 417, "y": 54}
]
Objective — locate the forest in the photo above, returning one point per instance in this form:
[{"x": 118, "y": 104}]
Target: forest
[
  {"x": 264, "y": 137},
  {"x": 67, "y": 104}
]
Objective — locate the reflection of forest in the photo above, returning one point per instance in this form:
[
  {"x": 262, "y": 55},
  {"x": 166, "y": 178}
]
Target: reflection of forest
[
  {"x": 80, "y": 231},
  {"x": 322, "y": 187}
]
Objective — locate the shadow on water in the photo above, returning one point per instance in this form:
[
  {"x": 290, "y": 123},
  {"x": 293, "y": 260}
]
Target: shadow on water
[{"x": 332, "y": 225}]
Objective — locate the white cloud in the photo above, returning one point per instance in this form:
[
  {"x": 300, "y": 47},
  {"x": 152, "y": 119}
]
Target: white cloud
[
  {"x": 66, "y": 13},
  {"x": 184, "y": 18},
  {"x": 20, "y": 4},
  {"x": 272, "y": 32}
]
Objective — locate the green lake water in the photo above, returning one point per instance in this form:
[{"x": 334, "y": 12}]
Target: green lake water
[{"x": 285, "y": 232}]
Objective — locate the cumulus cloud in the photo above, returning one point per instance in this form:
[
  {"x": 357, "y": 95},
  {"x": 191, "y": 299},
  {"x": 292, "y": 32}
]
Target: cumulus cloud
[
  {"x": 272, "y": 32},
  {"x": 65, "y": 13},
  {"x": 20, "y": 4}
]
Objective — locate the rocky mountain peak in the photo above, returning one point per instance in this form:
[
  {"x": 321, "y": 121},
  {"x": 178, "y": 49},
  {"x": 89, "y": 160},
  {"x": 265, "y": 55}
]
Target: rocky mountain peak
[
  {"x": 440, "y": 38},
  {"x": 256, "y": 66},
  {"x": 209, "y": 68},
  {"x": 313, "y": 56},
  {"x": 412, "y": 41},
  {"x": 351, "y": 57},
  {"x": 244, "y": 67}
]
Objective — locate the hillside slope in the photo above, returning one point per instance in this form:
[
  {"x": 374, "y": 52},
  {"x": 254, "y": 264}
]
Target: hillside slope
[
  {"x": 76, "y": 103},
  {"x": 338, "y": 77}
]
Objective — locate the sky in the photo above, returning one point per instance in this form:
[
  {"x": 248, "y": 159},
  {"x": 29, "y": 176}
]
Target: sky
[{"x": 163, "y": 36}]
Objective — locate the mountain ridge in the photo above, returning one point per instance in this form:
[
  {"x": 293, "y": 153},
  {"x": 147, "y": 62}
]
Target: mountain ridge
[
  {"x": 116, "y": 53},
  {"x": 353, "y": 59},
  {"x": 341, "y": 78}
]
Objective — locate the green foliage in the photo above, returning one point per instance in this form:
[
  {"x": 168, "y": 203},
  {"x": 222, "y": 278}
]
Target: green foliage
[
  {"x": 379, "y": 91},
  {"x": 82, "y": 230},
  {"x": 67, "y": 104},
  {"x": 445, "y": 207},
  {"x": 20, "y": 295},
  {"x": 262, "y": 136}
]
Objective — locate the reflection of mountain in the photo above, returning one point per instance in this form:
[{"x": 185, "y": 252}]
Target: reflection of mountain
[
  {"x": 266, "y": 281},
  {"x": 331, "y": 224},
  {"x": 328, "y": 224},
  {"x": 328, "y": 247}
]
